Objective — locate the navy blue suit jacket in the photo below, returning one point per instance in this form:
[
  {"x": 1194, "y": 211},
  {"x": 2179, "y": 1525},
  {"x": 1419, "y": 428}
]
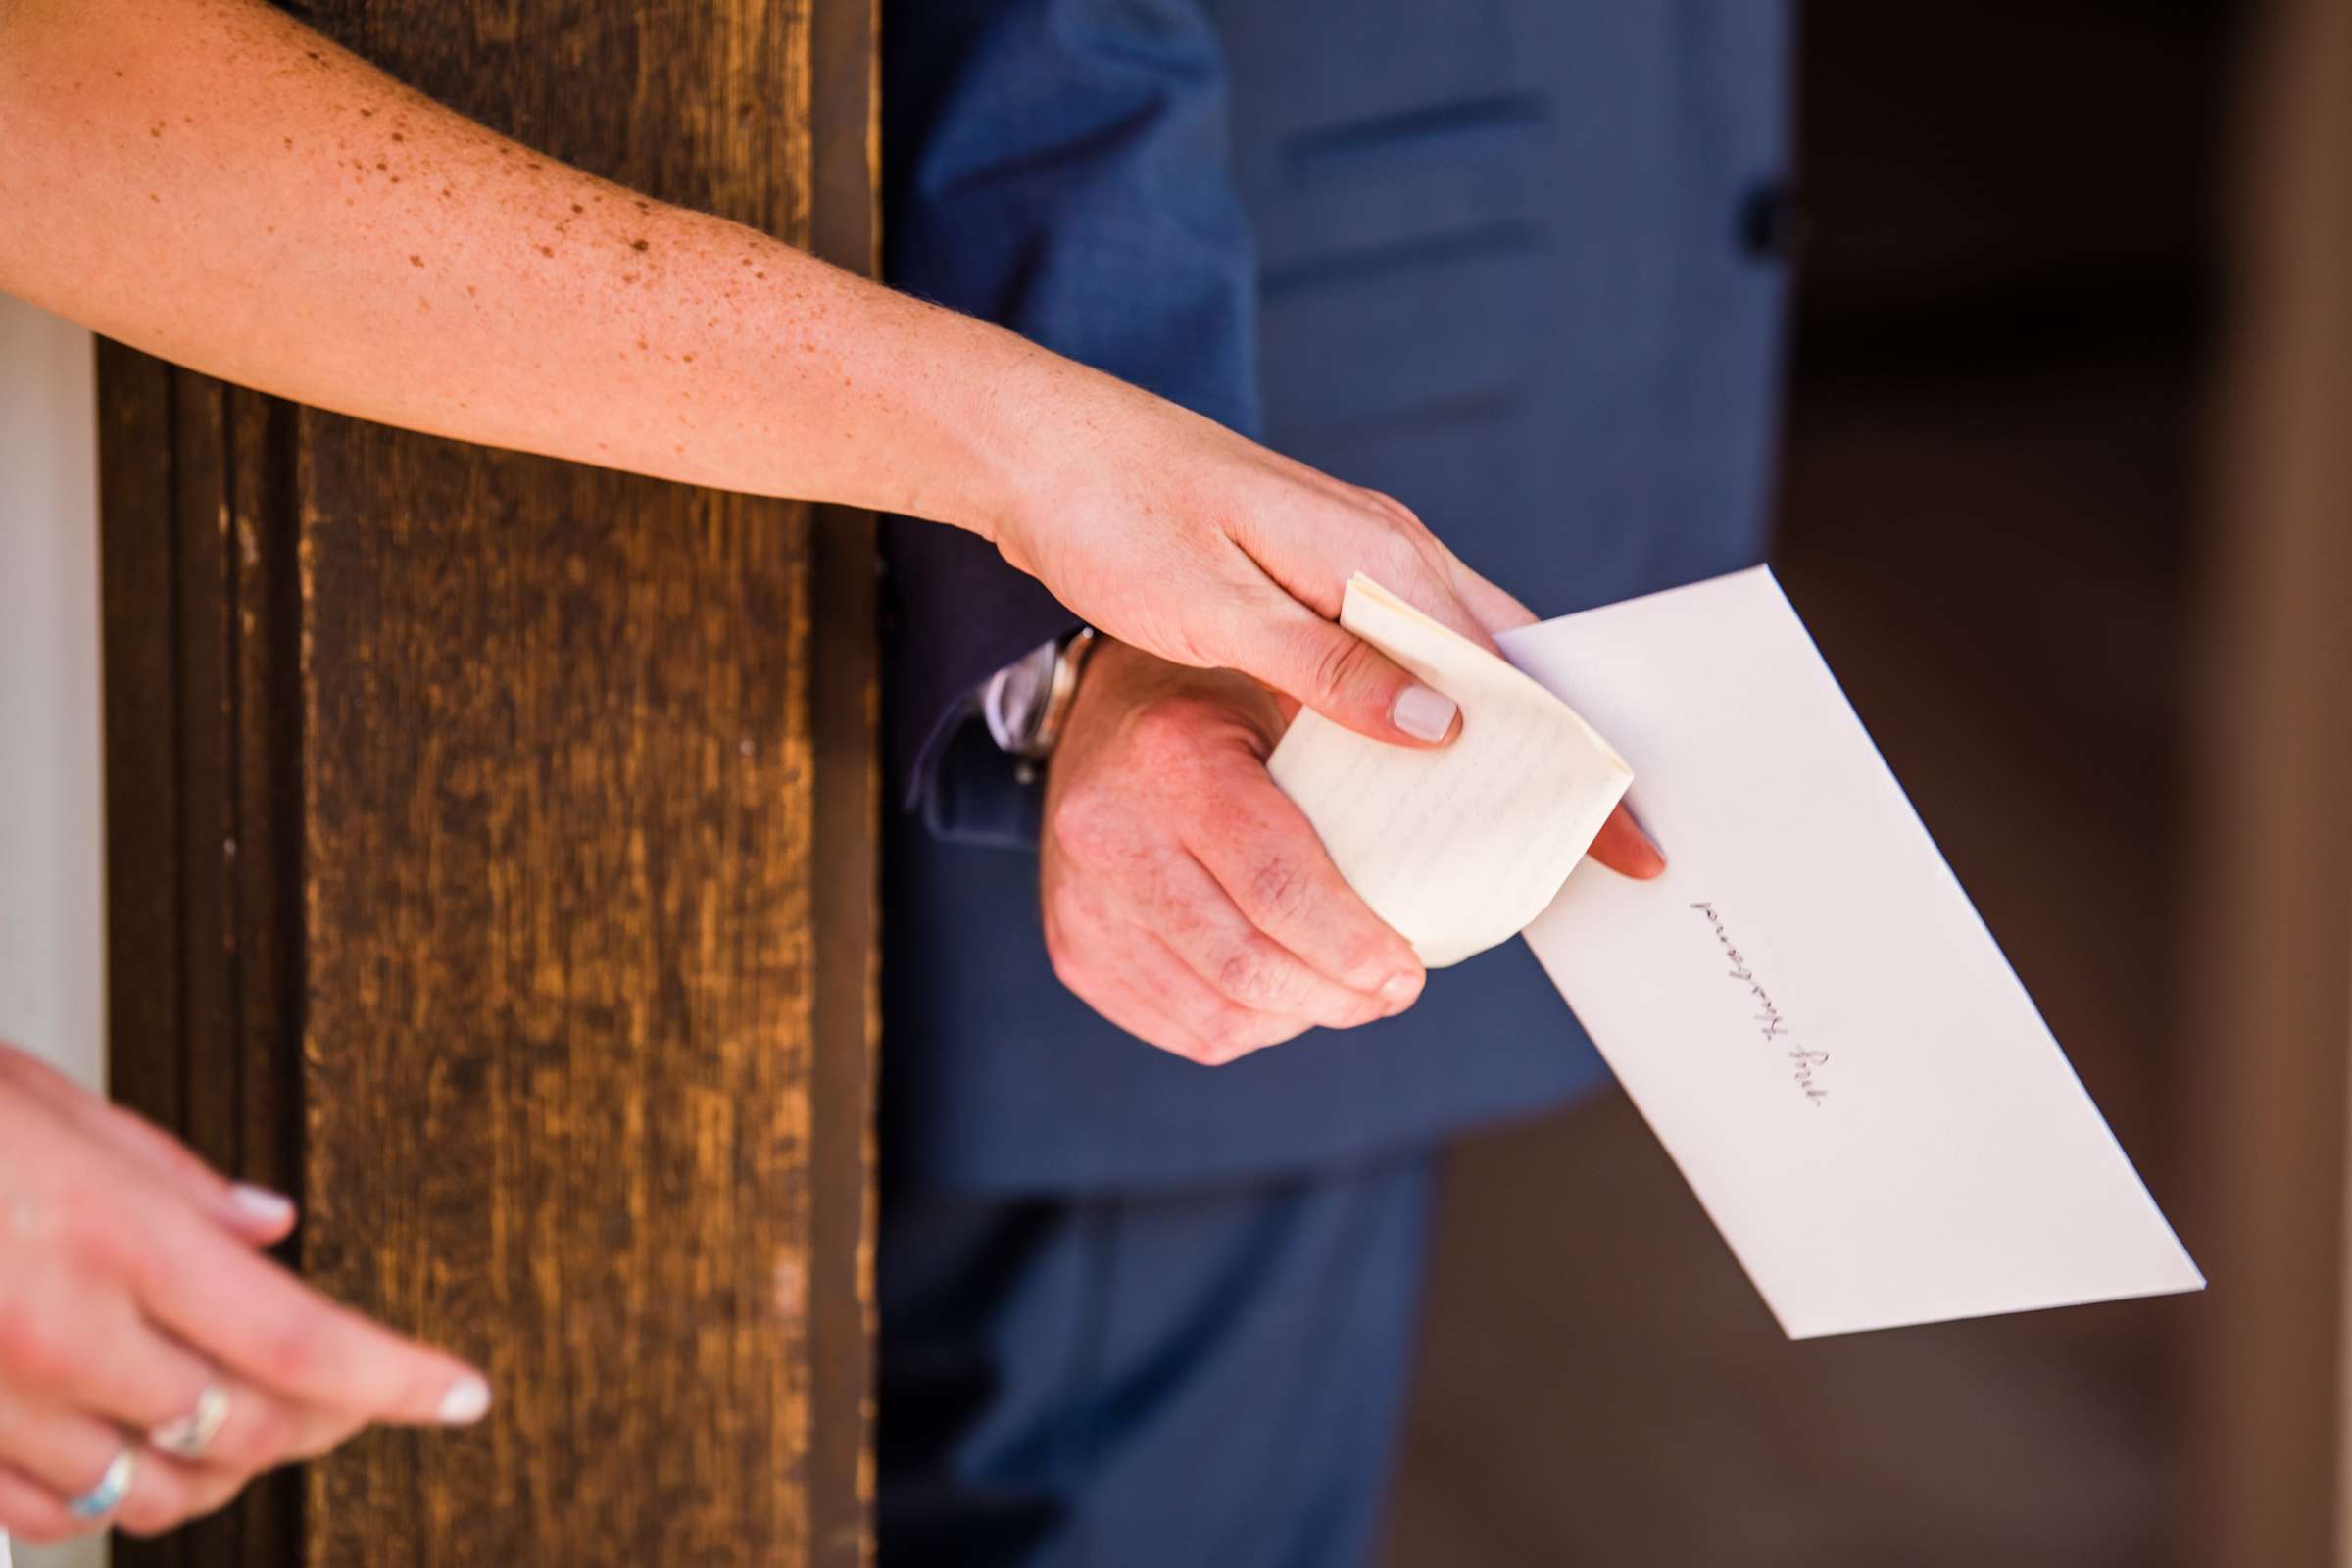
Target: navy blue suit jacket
[{"x": 1506, "y": 260}]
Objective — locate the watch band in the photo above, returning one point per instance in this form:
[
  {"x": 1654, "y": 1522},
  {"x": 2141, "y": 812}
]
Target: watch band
[{"x": 1069, "y": 663}]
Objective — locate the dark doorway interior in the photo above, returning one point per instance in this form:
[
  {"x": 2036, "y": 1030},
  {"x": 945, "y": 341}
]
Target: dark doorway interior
[{"x": 1991, "y": 487}]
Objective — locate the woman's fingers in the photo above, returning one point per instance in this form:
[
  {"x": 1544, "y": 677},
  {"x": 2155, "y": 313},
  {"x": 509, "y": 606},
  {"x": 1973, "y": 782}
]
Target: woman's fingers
[
  {"x": 52, "y": 1455},
  {"x": 259, "y": 1216},
  {"x": 169, "y": 1495},
  {"x": 1495, "y": 609},
  {"x": 58, "y": 1458},
  {"x": 1290, "y": 637},
  {"x": 162, "y": 1497},
  {"x": 93, "y": 1351},
  {"x": 1625, "y": 849},
  {"x": 119, "y": 1290},
  {"x": 68, "y": 1450},
  {"x": 260, "y": 1432},
  {"x": 256, "y": 1216},
  {"x": 1314, "y": 661},
  {"x": 65, "y": 1451},
  {"x": 33, "y": 1513},
  {"x": 1329, "y": 668},
  {"x": 1313, "y": 547},
  {"x": 259, "y": 1323}
]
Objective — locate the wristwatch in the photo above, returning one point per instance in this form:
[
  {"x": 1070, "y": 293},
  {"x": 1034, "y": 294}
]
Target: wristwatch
[{"x": 1028, "y": 701}]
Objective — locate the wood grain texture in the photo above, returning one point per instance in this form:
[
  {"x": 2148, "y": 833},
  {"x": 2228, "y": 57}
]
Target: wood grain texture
[
  {"x": 201, "y": 767},
  {"x": 558, "y": 866},
  {"x": 493, "y": 851},
  {"x": 845, "y": 228}
]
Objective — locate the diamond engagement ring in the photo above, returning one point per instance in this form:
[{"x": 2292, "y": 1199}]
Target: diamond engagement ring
[
  {"x": 188, "y": 1437},
  {"x": 112, "y": 1487}
]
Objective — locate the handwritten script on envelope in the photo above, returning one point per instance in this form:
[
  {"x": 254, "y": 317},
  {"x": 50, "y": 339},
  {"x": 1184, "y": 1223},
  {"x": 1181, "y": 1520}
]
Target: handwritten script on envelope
[
  {"x": 1806, "y": 1008},
  {"x": 1459, "y": 846}
]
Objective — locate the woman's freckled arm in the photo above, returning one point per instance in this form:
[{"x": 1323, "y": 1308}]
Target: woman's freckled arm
[{"x": 204, "y": 172}]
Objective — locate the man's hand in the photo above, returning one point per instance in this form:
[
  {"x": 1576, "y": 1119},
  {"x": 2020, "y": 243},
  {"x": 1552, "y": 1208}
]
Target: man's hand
[{"x": 1186, "y": 899}]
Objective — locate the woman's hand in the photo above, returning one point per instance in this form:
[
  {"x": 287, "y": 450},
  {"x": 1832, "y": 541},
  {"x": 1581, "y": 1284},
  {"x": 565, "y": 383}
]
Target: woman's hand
[
  {"x": 1177, "y": 536},
  {"x": 136, "y": 1318},
  {"x": 158, "y": 150}
]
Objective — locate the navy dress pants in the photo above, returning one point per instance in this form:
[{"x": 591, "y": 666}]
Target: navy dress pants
[{"x": 1185, "y": 1379}]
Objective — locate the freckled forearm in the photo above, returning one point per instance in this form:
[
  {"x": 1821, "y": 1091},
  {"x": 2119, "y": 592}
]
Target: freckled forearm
[{"x": 213, "y": 183}]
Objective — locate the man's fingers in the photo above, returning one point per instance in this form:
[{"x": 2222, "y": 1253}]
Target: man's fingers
[
  {"x": 1265, "y": 856},
  {"x": 1127, "y": 1005},
  {"x": 1138, "y": 983},
  {"x": 1625, "y": 849},
  {"x": 1201, "y": 924},
  {"x": 1219, "y": 1029},
  {"x": 260, "y": 1323}
]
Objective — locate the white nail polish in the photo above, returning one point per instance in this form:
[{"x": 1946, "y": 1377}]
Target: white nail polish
[
  {"x": 467, "y": 1402},
  {"x": 1423, "y": 714},
  {"x": 262, "y": 1205}
]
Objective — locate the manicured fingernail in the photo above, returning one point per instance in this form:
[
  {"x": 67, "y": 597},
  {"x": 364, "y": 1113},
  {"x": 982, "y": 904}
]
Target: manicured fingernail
[
  {"x": 261, "y": 1206},
  {"x": 467, "y": 1402},
  {"x": 1423, "y": 714},
  {"x": 1399, "y": 989}
]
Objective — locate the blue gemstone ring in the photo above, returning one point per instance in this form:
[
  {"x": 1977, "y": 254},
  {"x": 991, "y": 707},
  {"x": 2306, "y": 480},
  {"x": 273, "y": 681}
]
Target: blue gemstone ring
[{"x": 112, "y": 1487}]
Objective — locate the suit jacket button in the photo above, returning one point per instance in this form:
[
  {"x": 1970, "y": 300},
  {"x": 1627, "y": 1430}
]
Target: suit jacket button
[{"x": 1772, "y": 222}]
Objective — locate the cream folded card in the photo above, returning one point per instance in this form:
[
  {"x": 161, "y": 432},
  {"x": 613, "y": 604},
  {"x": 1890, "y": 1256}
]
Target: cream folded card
[
  {"x": 1807, "y": 1008},
  {"x": 1459, "y": 846}
]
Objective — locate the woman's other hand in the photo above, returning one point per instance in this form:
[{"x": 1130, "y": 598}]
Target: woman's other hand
[{"x": 138, "y": 1320}]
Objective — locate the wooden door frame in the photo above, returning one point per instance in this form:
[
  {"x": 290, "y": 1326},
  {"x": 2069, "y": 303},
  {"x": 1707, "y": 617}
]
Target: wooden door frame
[
  {"x": 2270, "y": 937},
  {"x": 215, "y": 791}
]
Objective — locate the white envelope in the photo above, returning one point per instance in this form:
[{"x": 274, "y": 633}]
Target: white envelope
[{"x": 1806, "y": 1008}]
